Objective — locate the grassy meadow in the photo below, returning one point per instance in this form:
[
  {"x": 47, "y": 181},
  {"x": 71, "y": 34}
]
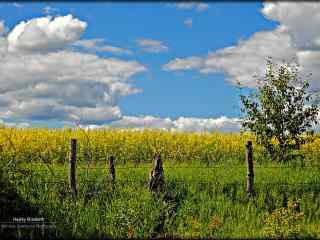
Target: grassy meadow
[{"x": 205, "y": 182}]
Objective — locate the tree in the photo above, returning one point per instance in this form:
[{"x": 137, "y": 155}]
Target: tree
[{"x": 279, "y": 111}]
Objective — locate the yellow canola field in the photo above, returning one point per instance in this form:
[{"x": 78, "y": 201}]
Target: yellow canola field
[{"x": 129, "y": 146}]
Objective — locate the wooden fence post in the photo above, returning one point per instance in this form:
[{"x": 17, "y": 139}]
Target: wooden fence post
[
  {"x": 72, "y": 166},
  {"x": 112, "y": 170},
  {"x": 156, "y": 178},
  {"x": 250, "y": 173}
]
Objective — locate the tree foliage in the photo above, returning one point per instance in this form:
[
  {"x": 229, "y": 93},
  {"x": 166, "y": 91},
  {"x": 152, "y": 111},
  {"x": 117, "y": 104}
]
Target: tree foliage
[{"x": 280, "y": 112}]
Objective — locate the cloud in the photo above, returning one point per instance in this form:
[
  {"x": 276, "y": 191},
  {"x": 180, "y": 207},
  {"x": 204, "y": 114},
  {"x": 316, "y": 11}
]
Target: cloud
[
  {"x": 97, "y": 46},
  {"x": 184, "y": 64},
  {"x": 152, "y": 46},
  {"x": 143, "y": 122},
  {"x": 3, "y": 28},
  {"x": 56, "y": 85},
  {"x": 301, "y": 21},
  {"x": 46, "y": 83},
  {"x": 223, "y": 123},
  {"x": 46, "y": 33},
  {"x": 14, "y": 124},
  {"x": 188, "y": 22},
  {"x": 89, "y": 43},
  {"x": 17, "y": 5},
  {"x": 184, "y": 124},
  {"x": 200, "y": 7},
  {"x": 3, "y": 47},
  {"x": 246, "y": 60},
  {"x": 115, "y": 50},
  {"x": 181, "y": 124},
  {"x": 49, "y": 10},
  {"x": 295, "y": 39},
  {"x": 185, "y": 5}
]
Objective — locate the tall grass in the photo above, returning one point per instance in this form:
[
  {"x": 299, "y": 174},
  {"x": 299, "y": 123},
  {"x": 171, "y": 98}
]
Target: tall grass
[
  {"x": 205, "y": 178},
  {"x": 204, "y": 202}
]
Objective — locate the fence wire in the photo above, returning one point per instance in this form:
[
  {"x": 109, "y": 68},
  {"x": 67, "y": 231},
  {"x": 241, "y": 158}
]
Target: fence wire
[
  {"x": 95, "y": 181},
  {"x": 185, "y": 167},
  {"x": 180, "y": 181}
]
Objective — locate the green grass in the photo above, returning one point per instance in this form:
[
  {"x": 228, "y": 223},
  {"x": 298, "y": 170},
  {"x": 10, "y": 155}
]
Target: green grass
[
  {"x": 204, "y": 201},
  {"x": 205, "y": 178}
]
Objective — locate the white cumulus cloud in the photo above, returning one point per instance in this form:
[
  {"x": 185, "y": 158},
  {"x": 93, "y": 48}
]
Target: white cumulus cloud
[
  {"x": 46, "y": 81},
  {"x": 45, "y": 33},
  {"x": 184, "y": 124},
  {"x": 143, "y": 122},
  {"x": 98, "y": 45},
  {"x": 300, "y": 19},
  {"x": 296, "y": 38},
  {"x": 184, "y": 64},
  {"x": 207, "y": 124},
  {"x": 152, "y": 46}
]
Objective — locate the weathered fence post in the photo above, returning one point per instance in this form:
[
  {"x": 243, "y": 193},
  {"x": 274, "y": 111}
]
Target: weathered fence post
[
  {"x": 250, "y": 174},
  {"x": 72, "y": 167},
  {"x": 112, "y": 170},
  {"x": 156, "y": 178}
]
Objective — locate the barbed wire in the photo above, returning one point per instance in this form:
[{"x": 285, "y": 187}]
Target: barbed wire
[
  {"x": 184, "y": 182},
  {"x": 183, "y": 167}
]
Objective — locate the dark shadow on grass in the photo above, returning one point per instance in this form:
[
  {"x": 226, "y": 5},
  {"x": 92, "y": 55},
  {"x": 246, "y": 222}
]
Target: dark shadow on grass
[{"x": 17, "y": 214}]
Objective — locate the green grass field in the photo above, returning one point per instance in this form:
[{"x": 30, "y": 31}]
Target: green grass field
[
  {"x": 204, "y": 202},
  {"x": 202, "y": 199}
]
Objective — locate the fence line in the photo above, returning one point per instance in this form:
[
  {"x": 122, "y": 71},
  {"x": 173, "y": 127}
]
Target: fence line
[
  {"x": 188, "y": 181},
  {"x": 182, "y": 167},
  {"x": 156, "y": 178}
]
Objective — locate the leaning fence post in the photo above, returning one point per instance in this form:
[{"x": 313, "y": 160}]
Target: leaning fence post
[
  {"x": 72, "y": 166},
  {"x": 250, "y": 174},
  {"x": 112, "y": 170},
  {"x": 156, "y": 178}
]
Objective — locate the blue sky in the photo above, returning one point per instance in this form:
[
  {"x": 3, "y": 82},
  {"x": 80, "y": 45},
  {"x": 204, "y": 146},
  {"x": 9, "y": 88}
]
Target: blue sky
[{"x": 182, "y": 50}]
